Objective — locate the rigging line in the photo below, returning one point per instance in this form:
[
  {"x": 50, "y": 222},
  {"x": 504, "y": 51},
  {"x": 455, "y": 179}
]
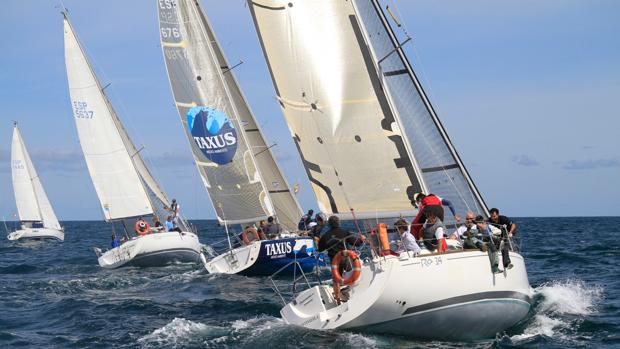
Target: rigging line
[{"x": 424, "y": 136}]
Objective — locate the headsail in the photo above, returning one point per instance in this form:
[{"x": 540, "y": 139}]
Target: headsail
[
  {"x": 360, "y": 146},
  {"x": 442, "y": 169},
  {"x": 234, "y": 161},
  {"x": 123, "y": 182},
  {"x": 30, "y": 198}
]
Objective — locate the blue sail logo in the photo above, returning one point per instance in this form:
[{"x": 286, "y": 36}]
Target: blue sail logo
[{"x": 213, "y": 133}]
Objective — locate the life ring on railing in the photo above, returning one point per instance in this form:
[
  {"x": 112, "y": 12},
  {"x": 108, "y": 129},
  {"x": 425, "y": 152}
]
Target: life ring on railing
[
  {"x": 252, "y": 231},
  {"x": 357, "y": 267},
  {"x": 142, "y": 227}
]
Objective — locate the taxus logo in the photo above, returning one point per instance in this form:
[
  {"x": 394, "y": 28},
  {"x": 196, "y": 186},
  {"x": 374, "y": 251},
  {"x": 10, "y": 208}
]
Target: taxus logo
[
  {"x": 213, "y": 133},
  {"x": 278, "y": 248}
]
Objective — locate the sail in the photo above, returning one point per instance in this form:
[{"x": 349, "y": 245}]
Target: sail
[
  {"x": 442, "y": 169},
  {"x": 351, "y": 143},
  {"x": 113, "y": 173},
  {"x": 30, "y": 198},
  {"x": 235, "y": 163}
]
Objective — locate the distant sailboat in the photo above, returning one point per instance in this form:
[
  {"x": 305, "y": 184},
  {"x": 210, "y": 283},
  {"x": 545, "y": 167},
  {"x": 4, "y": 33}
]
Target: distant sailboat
[
  {"x": 234, "y": 161},
  {"x": 36, "y": 215},
  {"x": 370, "y": 139},
  {"x": 126, "y": 189}
]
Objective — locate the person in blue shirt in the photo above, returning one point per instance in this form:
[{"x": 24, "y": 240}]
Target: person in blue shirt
[
  {"x": 115, "y": 242},
  {"x": 170, "y": 226}
]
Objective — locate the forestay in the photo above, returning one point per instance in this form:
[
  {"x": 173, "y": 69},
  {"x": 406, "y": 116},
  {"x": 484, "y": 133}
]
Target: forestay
[
  {"x": 30, "y": 198},
  {"x": 349, "y": 139},
  {"x": 112, "y": 170},
  {"x": 235, "y": 163},
  {"x": 442, "y": 170}
]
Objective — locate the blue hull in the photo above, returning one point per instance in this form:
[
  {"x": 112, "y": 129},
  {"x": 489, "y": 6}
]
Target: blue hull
[{"x": 277, "y": 254}]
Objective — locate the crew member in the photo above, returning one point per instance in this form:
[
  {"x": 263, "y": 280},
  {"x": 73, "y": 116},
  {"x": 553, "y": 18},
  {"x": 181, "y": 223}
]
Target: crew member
[{"x": 427, "y": 204}]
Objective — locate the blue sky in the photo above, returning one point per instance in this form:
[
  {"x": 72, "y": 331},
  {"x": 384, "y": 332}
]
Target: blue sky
[{"x": 528, "y": 92}]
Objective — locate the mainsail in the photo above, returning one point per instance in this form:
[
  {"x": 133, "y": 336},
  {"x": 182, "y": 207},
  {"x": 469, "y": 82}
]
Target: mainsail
[
  {"x": 233, "y": 159},
  {"x": 123, "y": 182},
  {"x": 30, "y": 198},
  {"x": 368, "y": 144}
]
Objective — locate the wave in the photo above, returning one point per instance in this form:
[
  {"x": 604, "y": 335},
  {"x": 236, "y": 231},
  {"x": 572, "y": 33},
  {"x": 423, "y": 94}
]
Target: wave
[
  {"x": 254, "y": 332},
  {"x": 559, "y": 308}
]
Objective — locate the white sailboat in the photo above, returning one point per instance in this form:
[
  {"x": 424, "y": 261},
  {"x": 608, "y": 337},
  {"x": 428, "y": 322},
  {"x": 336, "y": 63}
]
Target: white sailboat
[
  {"x": 126, "y": 189},
  {"x": 369, "y": 139},
  {"x": 234, "y": 161},
  {"x": 36, "y": 215}
]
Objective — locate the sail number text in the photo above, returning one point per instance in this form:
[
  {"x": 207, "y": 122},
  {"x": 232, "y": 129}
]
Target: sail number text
[
  {"x": 430, "y": 262},
  {"x": 167, "y": 33},
  {"x": 80, "y": 109},
  {"x": 167, "y": 4}
]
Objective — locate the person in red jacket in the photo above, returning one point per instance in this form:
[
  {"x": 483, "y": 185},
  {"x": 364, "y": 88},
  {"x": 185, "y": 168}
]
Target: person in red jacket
[{"x": 426, "y": 204}]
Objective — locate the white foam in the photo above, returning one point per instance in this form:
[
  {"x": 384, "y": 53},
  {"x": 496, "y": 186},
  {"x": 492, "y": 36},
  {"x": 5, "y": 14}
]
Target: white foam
[
  {"x": 178, "y": 332},
  {"x": 563, "y": 304},
  {"x": 571, "y": 297},
  {"x": 360, "y": 341}
]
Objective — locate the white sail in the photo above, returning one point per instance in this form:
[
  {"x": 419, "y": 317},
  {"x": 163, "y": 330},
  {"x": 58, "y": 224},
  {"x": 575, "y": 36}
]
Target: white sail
[
  {"x": 240, "y": 174},
  {"x": 117, "y": 183},
  {"x": 349, "y": 139},
  {"x": 442, "y": 169},
  {"x": 30, "y": 198}
]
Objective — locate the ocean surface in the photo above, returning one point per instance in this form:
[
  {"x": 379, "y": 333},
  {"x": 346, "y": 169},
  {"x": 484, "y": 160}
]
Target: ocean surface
[{"x": 55, "y": 295}]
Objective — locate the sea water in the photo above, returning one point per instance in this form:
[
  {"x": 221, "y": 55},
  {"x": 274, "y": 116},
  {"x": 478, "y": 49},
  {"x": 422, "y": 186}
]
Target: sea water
[{"x": 55, "y": 295}]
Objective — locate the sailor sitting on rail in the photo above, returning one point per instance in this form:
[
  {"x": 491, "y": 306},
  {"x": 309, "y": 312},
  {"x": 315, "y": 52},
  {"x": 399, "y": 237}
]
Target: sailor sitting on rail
[
  {"x": 408, "y": 241},
  {"x": 433, "y": 233},
  {"x": 468, "y": 234}
]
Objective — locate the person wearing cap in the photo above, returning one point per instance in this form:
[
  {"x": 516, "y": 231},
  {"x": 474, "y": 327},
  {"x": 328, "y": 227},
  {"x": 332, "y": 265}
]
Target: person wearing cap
[
  {"x": 334, "y": 241},
  {"x": 426, "y": 204},
  {"x": 408, "y": 241}
]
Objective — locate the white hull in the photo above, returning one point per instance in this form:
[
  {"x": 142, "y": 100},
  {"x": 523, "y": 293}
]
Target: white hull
[
  {"x": 37, "y": 234},
  {"x": 449, "y": 296},
  {"x": 154, "y": 250},
  {"x": 234, "y": 261}
]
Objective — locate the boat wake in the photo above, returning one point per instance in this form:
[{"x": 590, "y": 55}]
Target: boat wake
[
  {"x": 261, "y": 331},
  {"x": 559, "y": 309}
]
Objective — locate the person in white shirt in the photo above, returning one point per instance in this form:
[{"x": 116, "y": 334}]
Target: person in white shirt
[{"x": 408, "y": 241}]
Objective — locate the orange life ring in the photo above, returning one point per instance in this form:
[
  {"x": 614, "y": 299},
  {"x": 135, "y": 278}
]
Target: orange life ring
[
  {"x": 357, "y": 267},
  {"x": 252, "y": 231},
  {"x": 142, "y": 227}
]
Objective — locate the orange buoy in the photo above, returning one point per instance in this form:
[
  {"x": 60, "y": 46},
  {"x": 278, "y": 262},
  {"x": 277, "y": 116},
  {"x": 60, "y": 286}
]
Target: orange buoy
[
  {"x": 357, "y": 267},
  {"x": 383, "y": 237},
  {"x": 142, "y": 227}
]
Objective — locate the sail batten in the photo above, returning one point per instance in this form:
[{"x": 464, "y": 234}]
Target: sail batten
[{"x": 218, "y": 123}]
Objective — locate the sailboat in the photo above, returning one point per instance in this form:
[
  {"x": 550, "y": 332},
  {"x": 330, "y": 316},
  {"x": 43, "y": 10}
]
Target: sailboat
[
  {"x": 235, "y": 163},
  {"x": 36, "y": 215},
  {"x": 370, "y": 139},
  {"x": 129, "y": 195}
]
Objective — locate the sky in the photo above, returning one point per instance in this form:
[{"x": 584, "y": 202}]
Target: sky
[{"x": 527, "y": 90}]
